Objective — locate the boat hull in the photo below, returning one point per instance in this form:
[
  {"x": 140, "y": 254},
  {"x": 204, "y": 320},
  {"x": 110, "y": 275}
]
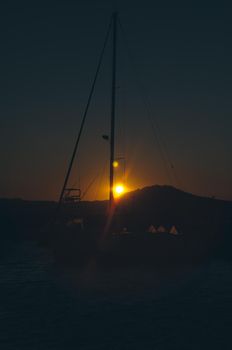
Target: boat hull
[{"x": 81, "y": 248}]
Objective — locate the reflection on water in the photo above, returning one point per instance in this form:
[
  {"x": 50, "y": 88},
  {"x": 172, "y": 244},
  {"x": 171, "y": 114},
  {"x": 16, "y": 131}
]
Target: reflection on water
[{"x": 46, "y": 307}]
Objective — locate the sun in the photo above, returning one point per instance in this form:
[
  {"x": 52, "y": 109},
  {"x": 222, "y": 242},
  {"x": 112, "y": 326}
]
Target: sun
[{"x": 119, "y": 190}]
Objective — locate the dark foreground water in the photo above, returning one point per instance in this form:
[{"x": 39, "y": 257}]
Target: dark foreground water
[{"x": 44, "y": 306}]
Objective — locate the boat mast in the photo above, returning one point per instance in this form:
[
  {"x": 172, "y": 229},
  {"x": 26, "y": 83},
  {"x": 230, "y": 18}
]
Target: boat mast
[{"x": 113, "y": 96}]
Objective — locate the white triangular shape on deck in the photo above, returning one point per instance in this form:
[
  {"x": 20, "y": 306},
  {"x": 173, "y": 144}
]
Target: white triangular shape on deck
[
  {"x": 161, "y": 229},
  {"x": 174, "y": 231},
  {"x": 152, "y": 229}
]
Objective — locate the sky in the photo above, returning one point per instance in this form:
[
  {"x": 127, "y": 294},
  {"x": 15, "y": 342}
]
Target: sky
[{"x": 173, "y": 112}]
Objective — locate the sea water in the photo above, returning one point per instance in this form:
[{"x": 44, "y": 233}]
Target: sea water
[{"x": 44, "y": 305}]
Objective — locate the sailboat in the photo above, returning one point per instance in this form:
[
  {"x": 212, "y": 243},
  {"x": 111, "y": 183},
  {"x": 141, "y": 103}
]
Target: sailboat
[{"x": 105, "y": 239}]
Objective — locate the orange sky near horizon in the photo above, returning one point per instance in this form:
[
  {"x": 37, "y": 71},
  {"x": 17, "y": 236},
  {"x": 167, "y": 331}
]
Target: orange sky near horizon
[{"x": 180, "y": 115}]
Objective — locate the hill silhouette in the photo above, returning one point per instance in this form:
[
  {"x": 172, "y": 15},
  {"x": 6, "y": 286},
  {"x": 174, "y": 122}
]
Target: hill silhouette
[
  {"x": 164, "y": 205},
  {"x": 168, "y": 204}
]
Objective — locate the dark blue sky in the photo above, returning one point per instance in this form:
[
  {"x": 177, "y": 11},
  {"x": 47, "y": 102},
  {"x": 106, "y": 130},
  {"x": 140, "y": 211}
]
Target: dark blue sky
[{"x": 49, "y": 52}]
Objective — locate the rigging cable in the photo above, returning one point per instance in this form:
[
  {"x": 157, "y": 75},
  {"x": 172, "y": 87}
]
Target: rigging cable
[
  {"x": 101, "y": 174},
  {"x": 89, "y": 186},
  {"x": 162, "y": 146},
  {"x": 84, "y": 116},
  {"x": 121, "y": 154}
]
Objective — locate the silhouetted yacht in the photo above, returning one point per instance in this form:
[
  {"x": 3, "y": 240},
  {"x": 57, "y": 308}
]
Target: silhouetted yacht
[{"x": 111, "y": 236}]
